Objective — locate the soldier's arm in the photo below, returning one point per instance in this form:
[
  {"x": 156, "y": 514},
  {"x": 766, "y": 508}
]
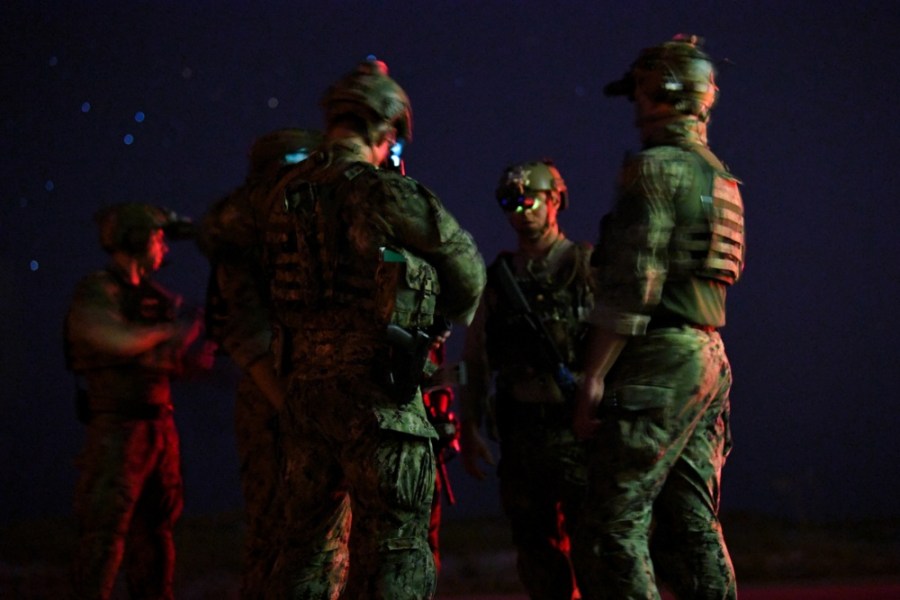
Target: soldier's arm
[
  {"x": 421, "y": 223},
  {"x": 96, "y": 320},
  {"x": 474, "y": 396}
]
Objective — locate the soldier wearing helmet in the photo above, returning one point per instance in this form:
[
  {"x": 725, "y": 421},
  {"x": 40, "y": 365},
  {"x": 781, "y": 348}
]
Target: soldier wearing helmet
[
  {"x": 365, "y": 267},
  {"x": 656, "y": 390},
  {"x": 124, "y": 338},
  {"x": 542, "y": 471},
  {"x": 239, "y": 320}
]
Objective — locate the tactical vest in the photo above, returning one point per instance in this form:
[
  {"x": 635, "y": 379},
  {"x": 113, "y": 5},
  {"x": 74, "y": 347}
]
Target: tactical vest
[
  {"x": 316, "y": 264},
  {"x": 708, "y": 236},
  {"x": 561, "y": 298}
]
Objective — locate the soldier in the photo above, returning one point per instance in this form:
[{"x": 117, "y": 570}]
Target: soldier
[
  {"x": 655, "y": 394},
  {"x": 542, "y": 471},
  {"x": 238, "y": 319},
  {"x": 123, "y": 340},
  {"x": 362, "y": 258}
]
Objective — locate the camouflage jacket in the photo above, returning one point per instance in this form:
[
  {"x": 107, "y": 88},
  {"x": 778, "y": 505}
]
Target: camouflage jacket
[
  {"x": 324, "y": 240},
  {"x": 637, "y": 276}
]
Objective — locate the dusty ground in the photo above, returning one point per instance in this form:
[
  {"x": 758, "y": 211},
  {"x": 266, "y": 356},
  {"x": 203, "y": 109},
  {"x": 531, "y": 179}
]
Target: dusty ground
[{"x": 478, "y": 559}]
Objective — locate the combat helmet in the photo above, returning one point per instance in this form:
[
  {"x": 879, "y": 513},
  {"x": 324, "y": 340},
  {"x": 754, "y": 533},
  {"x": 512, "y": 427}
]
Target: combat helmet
[
  {"x": 127, "y": 226},
  {"x": 371, "y": 95},
  {"x": 676, "y": 72},
  {"x": 534, "y": 176},
  {"x": 280, "y": 147}
]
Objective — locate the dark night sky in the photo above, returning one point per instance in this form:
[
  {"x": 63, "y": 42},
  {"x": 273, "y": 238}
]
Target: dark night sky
[{"x": 804, "y": 119}]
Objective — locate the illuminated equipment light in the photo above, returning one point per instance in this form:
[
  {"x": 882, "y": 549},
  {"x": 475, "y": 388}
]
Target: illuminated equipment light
[
  {"x": 292, "y": 158},
  {"x": 139, "y": 116},
  {"x": 34, "y": 265},
  {"x": 397, "y": 154},
  {"x": 128, "y": 139},
  {"x": 49, "y": 185},
  {"x": 85, "y": 107}
]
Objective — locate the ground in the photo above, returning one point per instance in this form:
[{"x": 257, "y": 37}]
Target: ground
[{"x": 478, "y": 557}]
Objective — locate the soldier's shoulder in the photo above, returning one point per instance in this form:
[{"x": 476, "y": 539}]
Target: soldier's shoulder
[
  {"x": 659, "y": 155},
  {"x": 402, "y": 186}
]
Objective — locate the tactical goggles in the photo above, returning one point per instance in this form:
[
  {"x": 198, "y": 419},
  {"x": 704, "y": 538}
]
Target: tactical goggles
[{"x": 519, "y": 203}]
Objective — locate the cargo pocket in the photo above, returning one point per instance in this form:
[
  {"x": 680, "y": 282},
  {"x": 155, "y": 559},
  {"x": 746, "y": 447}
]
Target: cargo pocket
[{"x": 642, "y": 414}]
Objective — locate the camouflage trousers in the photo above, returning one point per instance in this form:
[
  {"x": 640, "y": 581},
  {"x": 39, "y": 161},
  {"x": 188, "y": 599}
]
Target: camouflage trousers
[
  {"x": 128, "y": 496},
  {"x": 259, "y": 454},
  {"x": 543, "y": 479},
  {"x": 654, "y": 471},
  {"x": 341, "y": 467}
]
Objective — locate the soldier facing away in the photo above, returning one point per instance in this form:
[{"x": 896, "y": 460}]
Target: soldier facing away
[
  {"x": 124, "y": 339},
  {"x": 655, "y": 398},
  {"x": 361, "y": 259},
  {"x": 239, "y": 320},
  {"x": 542, "y": 470}
]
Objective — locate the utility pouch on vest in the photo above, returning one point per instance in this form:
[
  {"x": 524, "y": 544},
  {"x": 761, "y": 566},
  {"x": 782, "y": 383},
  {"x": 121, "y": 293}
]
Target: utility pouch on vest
[{"x": 407, "y": 289}]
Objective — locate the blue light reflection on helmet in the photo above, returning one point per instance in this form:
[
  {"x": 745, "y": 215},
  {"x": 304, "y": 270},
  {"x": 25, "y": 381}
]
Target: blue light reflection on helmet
[{"x": 292, "y": 158}]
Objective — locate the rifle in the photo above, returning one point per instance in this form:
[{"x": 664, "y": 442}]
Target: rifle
[{"x": 549, "y": 351}]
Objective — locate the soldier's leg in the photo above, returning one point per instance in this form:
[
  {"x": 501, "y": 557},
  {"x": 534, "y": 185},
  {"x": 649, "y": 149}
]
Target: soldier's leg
[
  {"x": 393, "y": 477},
  {"x": 260, "y": 470},
  {"x": 150, "y": 546},
  {"x": 105, "y": 495},
  {"x": 530, "y": 497},
  {"x": 688, "y": 546},
  {"x": 314, "y": 558}
]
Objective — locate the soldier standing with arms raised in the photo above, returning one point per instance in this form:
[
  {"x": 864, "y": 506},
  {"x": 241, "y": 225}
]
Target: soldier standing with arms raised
[
  {"x": 542, "y": 470},
  {"x": 354, "y": 248},
  {"x": 655, "y": 398}
]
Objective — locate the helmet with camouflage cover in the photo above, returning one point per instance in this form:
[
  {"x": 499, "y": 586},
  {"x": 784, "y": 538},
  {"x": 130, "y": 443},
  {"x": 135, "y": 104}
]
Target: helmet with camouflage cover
[
  {"x": 676, "y": 72},
  {"x": 127, "y": 226},
  {"x": 369, "y": 94},
  {"x": 277, "y": 148},
  {"x": 534, "y": 176}
]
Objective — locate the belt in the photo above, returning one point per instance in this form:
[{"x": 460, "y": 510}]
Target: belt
[{"x": 674, "y": 323}]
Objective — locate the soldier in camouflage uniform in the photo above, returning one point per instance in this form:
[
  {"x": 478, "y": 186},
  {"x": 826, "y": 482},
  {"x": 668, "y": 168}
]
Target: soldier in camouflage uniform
[
  {"x": 124, "y": 340},
  {"x": 657, "y": 380},
  {"x": 238, "y": 319},
  {"x": 353, "y": 248},
  {"x": 542, "y": 471}
]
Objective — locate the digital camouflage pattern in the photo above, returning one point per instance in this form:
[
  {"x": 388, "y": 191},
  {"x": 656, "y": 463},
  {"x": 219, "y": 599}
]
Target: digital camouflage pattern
[
  {"x": 353, "y": 450},
  {"x": 542, "y": 469},
  {"x": 655, "y": 465},
  {"x": 128, "y": 497},
  {"x": 655, "y": 468},
  {"x": 239, "y": 319},
  {"x": 129, "y": 492}
]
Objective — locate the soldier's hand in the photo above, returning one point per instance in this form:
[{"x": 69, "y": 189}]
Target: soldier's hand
[
  {"x": 587, "y": 404},
  {"x": 473, "y": 448}
]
